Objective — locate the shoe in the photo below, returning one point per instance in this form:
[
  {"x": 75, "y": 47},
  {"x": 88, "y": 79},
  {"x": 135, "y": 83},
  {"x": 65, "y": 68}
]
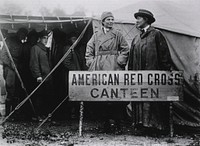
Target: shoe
[
  {"x": 10, "y": 119},
  {"x": 73, "y": 116},
  {"x": 118, "y": 132},
  {"x": 54, "y": 123},
  {"x": 34, "y": 119},
  {"x": 106, "y": 127},
  {"x": 111, "y": 126},
  {"x": 41, "y": 118}
]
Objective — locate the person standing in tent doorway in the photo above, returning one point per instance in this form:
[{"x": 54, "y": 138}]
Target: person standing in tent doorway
[
  {"x": 108, "y": 50},
  {"x": 40, "y": 66},
  {"x": 72, "y": 63},
  {"x": 149, "y": 51},
  {"x": 13, "y": 89}
]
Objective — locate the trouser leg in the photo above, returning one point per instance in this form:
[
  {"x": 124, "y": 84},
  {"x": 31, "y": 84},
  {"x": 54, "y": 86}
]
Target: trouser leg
[
  {"x": 9, "y": 76},
  {"x": 8, "y": 107}
]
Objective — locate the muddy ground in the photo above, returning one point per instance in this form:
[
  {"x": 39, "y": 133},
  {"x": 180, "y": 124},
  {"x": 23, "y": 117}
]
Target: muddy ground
[{"x": 65, "y": 133}]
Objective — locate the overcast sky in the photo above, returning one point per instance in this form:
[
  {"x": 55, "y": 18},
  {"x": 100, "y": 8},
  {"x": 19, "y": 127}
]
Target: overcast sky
[
  {"x": 69, "y": 6},
  {"x": 91, "y": 7}
]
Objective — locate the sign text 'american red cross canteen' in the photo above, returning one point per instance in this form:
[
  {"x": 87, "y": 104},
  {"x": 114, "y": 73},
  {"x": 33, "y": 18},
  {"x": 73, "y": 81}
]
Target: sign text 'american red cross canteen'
[{"x": 125, "y": 85}]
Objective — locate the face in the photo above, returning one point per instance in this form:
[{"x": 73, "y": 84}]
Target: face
[
  {"x": 108, "y": 22},
  {"x": 73, "y": 39},
  {"x": 22, "y": 36},
  {"x": 44, "y": 40},
  {"x": 141, "y": 22}
]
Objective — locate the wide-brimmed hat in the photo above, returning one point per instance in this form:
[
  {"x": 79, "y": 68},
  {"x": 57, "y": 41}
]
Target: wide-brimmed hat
[
  {"x": 145, "y": 13},
  {"x": 104, "y": 15}
]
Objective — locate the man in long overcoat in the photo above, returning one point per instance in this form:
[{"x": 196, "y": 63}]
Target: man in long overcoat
[{"x": 40, "y": 66}]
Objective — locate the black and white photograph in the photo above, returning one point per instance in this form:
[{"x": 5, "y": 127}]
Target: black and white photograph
[{"x": 100, "y": 73}]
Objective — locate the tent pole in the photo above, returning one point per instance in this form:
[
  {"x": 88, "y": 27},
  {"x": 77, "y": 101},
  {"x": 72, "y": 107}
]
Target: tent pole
[{"x": 50, "y": 114}]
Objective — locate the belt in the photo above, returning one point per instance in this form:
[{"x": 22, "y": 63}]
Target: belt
[{"x": 110, "y": 52}]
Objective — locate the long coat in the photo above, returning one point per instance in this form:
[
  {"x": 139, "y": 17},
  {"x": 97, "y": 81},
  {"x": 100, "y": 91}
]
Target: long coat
[
  {"x": 107, "y": 51},
  {"x": 15, "y": 48},
  {"x": 40, "y": 64},
  {"x": 149, "y": 51},
  {"x": 71, "y": 62}
]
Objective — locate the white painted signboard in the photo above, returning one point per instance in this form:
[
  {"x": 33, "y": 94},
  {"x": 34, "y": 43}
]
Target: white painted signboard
[{"x": 125, "y": 85}]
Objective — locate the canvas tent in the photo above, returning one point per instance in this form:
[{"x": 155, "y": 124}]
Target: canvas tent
[
  {"x": 179, "y": 21},
  {"x": 176, "y": 23}
]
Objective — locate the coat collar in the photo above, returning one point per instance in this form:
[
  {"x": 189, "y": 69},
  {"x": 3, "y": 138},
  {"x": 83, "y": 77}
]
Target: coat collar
[
  {"x": 102, "y": 37},
  {"x": 42, "y": 46},
  {"x": 142, "y": 35}
]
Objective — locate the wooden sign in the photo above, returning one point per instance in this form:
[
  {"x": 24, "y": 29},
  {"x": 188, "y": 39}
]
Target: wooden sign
[{"x": 125, "y": 85}]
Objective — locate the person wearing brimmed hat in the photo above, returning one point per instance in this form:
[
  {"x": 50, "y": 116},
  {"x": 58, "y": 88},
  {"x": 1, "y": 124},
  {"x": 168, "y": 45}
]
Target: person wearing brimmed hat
[
  {"x": 146, "y": 15},
  {"x": 108, "y": 50},
  {"x": 40, "y": 66},
  {"x": 149, "y": 51}
]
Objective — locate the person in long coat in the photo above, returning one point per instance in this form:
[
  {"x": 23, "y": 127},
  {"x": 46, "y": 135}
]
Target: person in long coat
[
  {"x": 40, "y": 66},
  {"x": 108, "y": 50},
  {"x": 32, "y": 39},
  {"x": 72, "y": 63},
  {"x": 149, "y": 51},
  {"x": 13, "y": 89}
]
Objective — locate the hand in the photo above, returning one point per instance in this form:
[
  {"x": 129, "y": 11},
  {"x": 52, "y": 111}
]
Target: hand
[{"x": 39, "y": 79}]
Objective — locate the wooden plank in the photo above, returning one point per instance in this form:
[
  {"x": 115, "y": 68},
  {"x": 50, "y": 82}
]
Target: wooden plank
[{"x": 125, "y": 86}]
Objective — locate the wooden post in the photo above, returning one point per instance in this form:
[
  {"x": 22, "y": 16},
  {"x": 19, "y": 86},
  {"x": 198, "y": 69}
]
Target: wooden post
[
  {"x": 171, "y": 126},
  {"x": 81, "y": 118}
]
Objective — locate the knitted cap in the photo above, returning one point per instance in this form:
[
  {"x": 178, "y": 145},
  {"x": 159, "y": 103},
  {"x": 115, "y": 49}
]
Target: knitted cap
[{"x": 104, "y": 15}]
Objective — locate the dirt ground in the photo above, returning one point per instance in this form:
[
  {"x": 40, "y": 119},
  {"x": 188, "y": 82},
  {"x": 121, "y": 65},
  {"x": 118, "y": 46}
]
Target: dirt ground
[{"x": 65, "y": 133}]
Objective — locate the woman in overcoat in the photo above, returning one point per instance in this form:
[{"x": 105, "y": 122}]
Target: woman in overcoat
[
  {"x": 108, "y": 50},
  {"x": 149, "y": 51}
]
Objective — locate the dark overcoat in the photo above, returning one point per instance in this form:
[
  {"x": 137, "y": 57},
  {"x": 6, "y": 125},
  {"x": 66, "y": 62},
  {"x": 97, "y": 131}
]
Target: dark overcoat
[
  {"x": 40, "y": 64},
  {"x": 149, "y": 51}
]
